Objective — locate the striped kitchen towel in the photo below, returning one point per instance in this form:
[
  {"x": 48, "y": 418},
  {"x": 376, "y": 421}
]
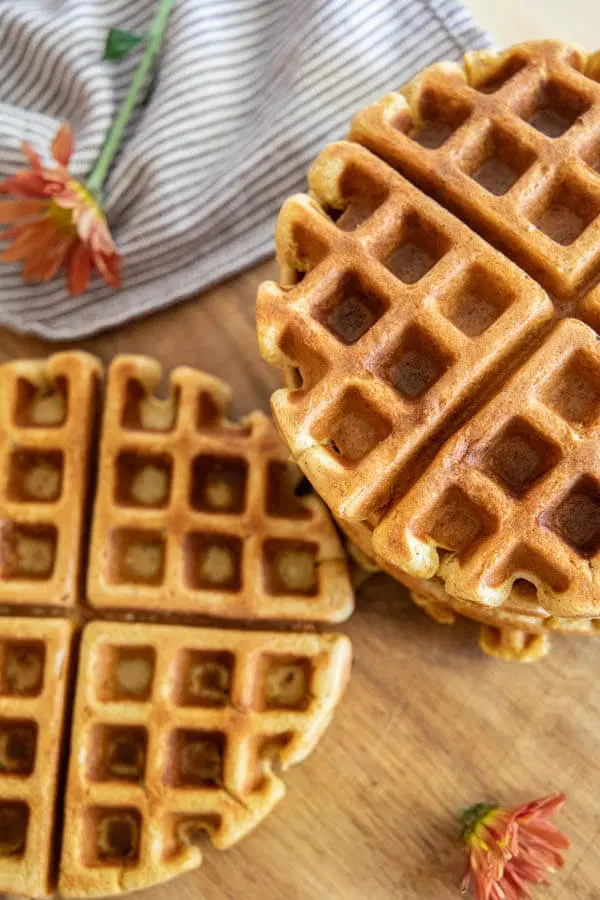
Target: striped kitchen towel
[{"x": 247, "y": 93}]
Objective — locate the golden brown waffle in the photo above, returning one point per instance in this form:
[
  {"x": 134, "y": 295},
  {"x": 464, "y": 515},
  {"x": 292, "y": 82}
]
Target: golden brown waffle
[
  {"x": 511, "y": 141},
  {"x": 383, "y": 370},
  {"x": 176, "y": 727},
  {"x": 198, "y": 516},
  {"x": 516, "y": 492},
  {"x": 47, "y": 414},
  {"x": 518, "y": 631},
  {"x": 504, "y": 641},
  {"x": 34, "y": 672},
  {"x": 393, "y": 326},
  {"x": 174, "y": 735}
]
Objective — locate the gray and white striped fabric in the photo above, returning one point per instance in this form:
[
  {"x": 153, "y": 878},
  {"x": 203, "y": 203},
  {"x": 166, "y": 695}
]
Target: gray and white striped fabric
[{"x": 247, "y": 93}]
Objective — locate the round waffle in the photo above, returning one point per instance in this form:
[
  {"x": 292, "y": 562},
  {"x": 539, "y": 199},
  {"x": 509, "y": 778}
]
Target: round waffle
[
  {"x": 437, "y": 320},
  {"x": 516, "y": 632},
  {"x": 150, "y": 677}
]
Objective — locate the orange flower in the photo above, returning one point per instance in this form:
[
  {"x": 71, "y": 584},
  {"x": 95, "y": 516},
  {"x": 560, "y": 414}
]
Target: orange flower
[
  {"x": 511, "y": 848},
  {"x": 57, "y": 222}
]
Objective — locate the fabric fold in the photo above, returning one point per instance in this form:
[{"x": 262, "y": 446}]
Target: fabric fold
[{"x": 247, "y": 93}]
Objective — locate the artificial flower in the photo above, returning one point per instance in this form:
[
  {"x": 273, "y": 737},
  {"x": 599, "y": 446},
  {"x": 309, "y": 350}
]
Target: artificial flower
[
  {"x": 57, "y": 222},
  {"x": 508, "y": 849}
]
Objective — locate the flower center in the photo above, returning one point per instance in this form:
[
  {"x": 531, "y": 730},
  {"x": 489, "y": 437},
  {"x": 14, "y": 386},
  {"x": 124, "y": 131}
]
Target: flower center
[
  {"x": 62, "y": 217},
  {"x": 471, "y": 819}
]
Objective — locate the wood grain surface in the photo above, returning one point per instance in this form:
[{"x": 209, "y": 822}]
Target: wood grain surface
[{"x": 428, "y": 723}]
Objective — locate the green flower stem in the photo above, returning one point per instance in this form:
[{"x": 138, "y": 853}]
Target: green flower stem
[{"x": 102, "y": 166}]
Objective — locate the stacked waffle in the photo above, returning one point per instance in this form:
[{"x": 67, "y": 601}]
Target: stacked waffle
[
  {"x": 129, "y": 725},
  {"x": 437, "y": 320}
]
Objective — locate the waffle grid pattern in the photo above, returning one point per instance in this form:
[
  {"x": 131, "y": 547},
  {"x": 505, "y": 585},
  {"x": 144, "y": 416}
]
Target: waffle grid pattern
[
  {"x": 200, "y": 517},
  {"x": 512, "y": 142},
  {"x": 531, "y": 458},
  {"x": 175, "y": 732},
  {"x": 47, "y": 415},
  {"x": 34, "y": 662},
  {"x": 156, "y": 763},
  {"x": 385, "y": 363}
]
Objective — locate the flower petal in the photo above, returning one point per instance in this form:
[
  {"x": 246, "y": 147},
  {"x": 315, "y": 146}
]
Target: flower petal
[
  {"x": 44, "y": 265},
  {"x": 23, "y": 183},
  {"x": 8, "y": 234},
  {"x": 101, "y": 240},
  {"x": 67, "y": 199},
  {"x": 30, "y": 241},
  {"x": 32, "y": 156},
  {"x": 86, "y": 223},
  {"x": 109, "y": 268},
  {"x": 56, "y": 221},
  {"x": 542, "y": 808},
  {"x": 483, "y": 887},
  {"x": 80, "y": 269},
  {"x": 62, "y": 145},
  {"x": 19, "y": 209},
  {"x": 509, "y": 849},
  {"x": 114, "y": 265},
  {"x": 545, "y": 833}
]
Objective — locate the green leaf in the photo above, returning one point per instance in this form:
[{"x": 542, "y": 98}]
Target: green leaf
[{"x": 119, "y": 43}]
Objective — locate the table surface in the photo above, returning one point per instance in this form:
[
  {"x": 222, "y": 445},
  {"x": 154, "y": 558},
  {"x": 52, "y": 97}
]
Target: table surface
[{"x": 428, "y": 724}]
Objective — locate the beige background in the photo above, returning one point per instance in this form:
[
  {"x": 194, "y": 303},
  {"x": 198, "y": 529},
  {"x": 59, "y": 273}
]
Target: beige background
[
  {"x": 428, "y": 723},
  {"x": 518, "y": 20}
]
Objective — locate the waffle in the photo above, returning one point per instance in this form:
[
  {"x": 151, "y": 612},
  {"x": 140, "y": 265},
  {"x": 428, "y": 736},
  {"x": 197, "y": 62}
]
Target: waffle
[
  {"x": 519, "y": 461},
  {"x": 399, "y": 327},
  {"x": 174, "y": 735},
  {"x": 168, "y": 729},
  {"x": 198, "y": 516},
  {"x": 34, "y": 669},
  {"x": 511, "y": 142},
  {"x": 500, "y": 636},
  {"x": 381, "y": 369},
  {"x": 47, "y": 416},
  {"x": 519, "y": 631}
]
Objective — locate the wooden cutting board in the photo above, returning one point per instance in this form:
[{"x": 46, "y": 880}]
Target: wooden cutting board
[{"x": 428, "y": 723}]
